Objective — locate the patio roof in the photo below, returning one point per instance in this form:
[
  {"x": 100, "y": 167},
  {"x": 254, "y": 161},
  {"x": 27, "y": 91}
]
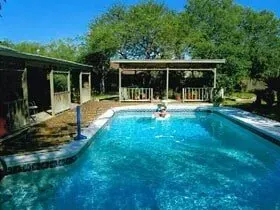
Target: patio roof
[
  {"x": 195, "y": 64},
  {"x": 8, "y": 52}
]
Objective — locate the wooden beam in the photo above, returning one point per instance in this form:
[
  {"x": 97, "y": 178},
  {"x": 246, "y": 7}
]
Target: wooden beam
[
  {"x": 81, "y": 86},
  {"x": 69, "y": 88},
  {"x": 25, "y": 91},
  {"x": 120, "y": 84},
  {"x": 215, "y": 77},
  {"x": 170, "y": 69},
  {"x": 167, "y": 82},
  {"x": 89, "y": 84},
  {"x": 52, "y": 92}
]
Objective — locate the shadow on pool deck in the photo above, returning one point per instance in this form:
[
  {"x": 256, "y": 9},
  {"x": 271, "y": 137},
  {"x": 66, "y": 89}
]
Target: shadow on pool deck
[{"x": 55, "y": 131}]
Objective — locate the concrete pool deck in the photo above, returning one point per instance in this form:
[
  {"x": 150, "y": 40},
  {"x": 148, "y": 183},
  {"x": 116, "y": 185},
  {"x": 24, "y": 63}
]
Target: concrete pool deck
[{"x": 68, "y": 153}]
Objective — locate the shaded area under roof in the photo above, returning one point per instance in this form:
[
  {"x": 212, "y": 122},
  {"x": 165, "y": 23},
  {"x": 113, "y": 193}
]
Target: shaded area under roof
[
  {"x": 8, "y": 52},
  {"x": 127, "y": 65}
]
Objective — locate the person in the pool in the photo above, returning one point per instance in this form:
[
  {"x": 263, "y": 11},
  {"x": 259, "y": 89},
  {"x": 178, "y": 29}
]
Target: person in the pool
[{"x": 161, "y": 111}]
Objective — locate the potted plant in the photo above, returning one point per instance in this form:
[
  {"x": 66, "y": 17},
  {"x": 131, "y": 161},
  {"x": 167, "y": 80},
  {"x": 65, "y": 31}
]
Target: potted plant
[
  {"x": 217, "y": 101},
  {"x": 178, "y": 96}
]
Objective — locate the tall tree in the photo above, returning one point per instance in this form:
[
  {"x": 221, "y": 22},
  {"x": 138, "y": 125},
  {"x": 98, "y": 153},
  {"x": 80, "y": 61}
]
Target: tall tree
[
  {"x": 140, "y": 31},
  {"x": 67, "y": 49},
  {"x": 101, "y": 62},
  {"x": 263, "y": 37},
  {"x": 262, "y": 31},
  {"x": 218, "y": 35}
]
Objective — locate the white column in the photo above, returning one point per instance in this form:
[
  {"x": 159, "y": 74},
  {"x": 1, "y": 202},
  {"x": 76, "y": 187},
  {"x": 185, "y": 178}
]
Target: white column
[
  {"x": 52, "y": 92},
  {"x": 167, "y": 82},
  {"x": 69, "y": 87},
  {"x": 215, "y": 77},
  {"x": 81, "y": 86},
  {"x": 120, "y": 84},
  {"x": 89, "y": 84}
]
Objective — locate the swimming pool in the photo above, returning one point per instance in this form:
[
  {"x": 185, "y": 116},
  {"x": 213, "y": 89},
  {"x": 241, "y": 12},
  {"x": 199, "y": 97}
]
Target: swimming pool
[{"x": 191, "y": 160}]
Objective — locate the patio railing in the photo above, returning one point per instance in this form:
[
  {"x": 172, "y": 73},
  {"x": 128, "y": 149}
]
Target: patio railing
[
  {"x": 62, "y": 101},
  {"x": 85, "y": 95},
  {"x": 197, "y": 94},
  {"x": 136, "y": 94}
]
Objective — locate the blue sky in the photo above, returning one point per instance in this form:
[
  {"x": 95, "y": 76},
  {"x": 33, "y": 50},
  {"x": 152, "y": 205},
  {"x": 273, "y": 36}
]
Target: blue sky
[{"x": 42, "y": 21}]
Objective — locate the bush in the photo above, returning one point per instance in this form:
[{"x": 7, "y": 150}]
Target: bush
[{"x": 269, "y": 97}]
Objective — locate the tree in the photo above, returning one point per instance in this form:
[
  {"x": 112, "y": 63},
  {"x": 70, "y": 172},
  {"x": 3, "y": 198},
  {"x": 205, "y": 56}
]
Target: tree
[
  {"x": 218, "y": 35},
  {"x": 67, "y": 49},
  {"x": 101, "y": 63},
  {"x": 107, "y": 33},
  {"x": 30, "y": 47},
  {"x": 263, "y": 37},
  {"x": 140, "y": 31}
]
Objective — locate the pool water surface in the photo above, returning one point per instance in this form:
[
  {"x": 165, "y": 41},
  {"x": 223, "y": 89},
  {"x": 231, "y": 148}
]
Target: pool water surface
[{"x": 191, "y": 160}]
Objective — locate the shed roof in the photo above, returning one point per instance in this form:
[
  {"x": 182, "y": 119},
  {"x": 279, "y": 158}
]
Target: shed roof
[
  {"x": 164, "y": 64},
  {"x": 8, "y": 52}
]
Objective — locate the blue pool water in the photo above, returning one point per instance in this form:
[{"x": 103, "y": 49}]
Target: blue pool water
[{"x": 192, "y": 160}]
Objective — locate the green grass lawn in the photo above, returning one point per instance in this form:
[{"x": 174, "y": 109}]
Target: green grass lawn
[{"x": 242, "y": 95}]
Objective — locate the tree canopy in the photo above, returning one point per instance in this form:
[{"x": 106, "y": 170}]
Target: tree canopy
[
  {"x": 140, "y": 31},
  {"x": 247, "y": 39},
  {"x": 67, "y": 49}
]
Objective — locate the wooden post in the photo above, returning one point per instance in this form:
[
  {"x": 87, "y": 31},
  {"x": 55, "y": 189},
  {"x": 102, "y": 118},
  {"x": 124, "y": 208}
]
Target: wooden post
[
  {"x": 89, "y": 85},
  {"x": 183, "y": 95},
  {"x": 215, "y": 77},
  {"x": 52, "y": 92},
  {"x": 25, "y": 92},
  {"x": 81, "y": 86},
  {"x": 120, "y": 84},
  {"x": 69, "y": 88},
  {"x": 167, "y": 82}
]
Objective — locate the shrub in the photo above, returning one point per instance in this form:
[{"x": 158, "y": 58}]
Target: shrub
[{"x": 269, "y": 97}]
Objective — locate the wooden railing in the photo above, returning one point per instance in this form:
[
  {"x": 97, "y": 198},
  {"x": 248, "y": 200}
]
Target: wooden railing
[
  {"x": 136, "y": 94},
  {"x": 17, "y": 114},
  {"x": 85, "y": 95},
  {"x": 197, "y": 94},
  {"x": 62, "y": 101}
]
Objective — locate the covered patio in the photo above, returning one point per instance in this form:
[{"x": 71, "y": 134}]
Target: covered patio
[
  {"x": 31, "y": 83},
  {"x": 188, "y": 93}
]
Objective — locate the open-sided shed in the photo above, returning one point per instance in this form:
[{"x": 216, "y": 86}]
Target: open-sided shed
[
  {"x": 128, "y": 67},
  {"x": 28, "y": 80}
]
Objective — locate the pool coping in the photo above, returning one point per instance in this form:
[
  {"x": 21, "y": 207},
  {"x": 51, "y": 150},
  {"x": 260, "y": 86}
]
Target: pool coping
[{"x": 68, "y": 153}]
